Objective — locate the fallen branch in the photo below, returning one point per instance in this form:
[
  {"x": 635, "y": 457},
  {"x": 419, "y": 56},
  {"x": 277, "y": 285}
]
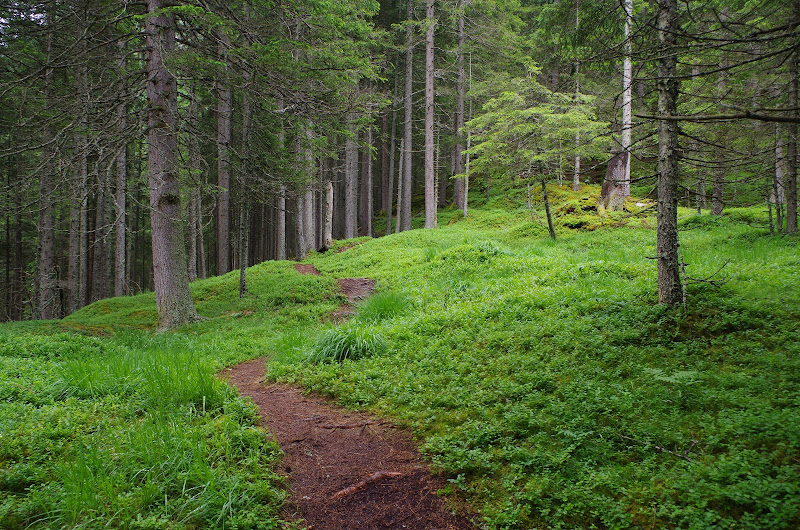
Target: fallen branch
[
  {"x": 348, "y": 425},
  {"x": 369, "y": 480}
]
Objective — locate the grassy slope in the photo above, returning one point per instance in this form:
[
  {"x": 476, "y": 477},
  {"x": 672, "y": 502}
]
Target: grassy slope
[{"x": 539, "y": 375}]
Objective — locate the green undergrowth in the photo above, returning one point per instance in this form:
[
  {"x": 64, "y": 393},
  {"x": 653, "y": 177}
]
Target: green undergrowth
[
  {"x": 539, "y": 376},
  {"x": 544, "y": 380}
]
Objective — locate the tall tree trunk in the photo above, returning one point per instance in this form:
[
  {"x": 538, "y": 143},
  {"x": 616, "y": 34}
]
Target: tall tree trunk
[
  {"x": 351, "y": 182},
  {"x": 173, "y": 297},
  {"x": 718, "y": 188},
  {"x": 195, "y": 223},
  {"x": 392, "y": 151},
  {"x": 328, "y": 231},
  {"x": 224, "y": 100},
  {"x": 46, "y": 264},
  {"x": 669, "y": 283},
  {"x": 627, "y": 100},
  {"x": 576, "y": 173},
  {"x": 384, "y": 139},
  {"x": 101, "y": 262},
  {"x": 366, "y": 185},
  {"x": 400, "y": 188},
  {"x": 300, "y": 227},
  {"x": 280, "y": 225},
  {"x": 120, "y": 199},
  {"x": 458, "y": 191},
  {"x": 778, "y": 177},
  {"x": 244, "y": 206},
  {"x": 791, "y": 145},
  {"x": 405, "y": 198},
  {"x": 430, "y": 175}
]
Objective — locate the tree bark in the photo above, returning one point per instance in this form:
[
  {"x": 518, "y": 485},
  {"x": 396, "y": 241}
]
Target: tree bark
[
  {"x": 328, "y": 237},
  {"x": 351, "y": 182},
  {"x": 46, "y": 265},
  {"x": 392, "y": 151},
  {"x": 280, "y": 225},
  {"x": 120, "y": 200},
  {"x": 405, "y": 198},
  {"x": 430, "y": 176},
  {"x": 669, "y": 283},
  {"x": 173, "y": 297},
  {"x": 791, "y": 144},
  {"x": 224, "y": 100},
  {"x": 458, "y": 188},
  {"x": 627, "y": 100}
]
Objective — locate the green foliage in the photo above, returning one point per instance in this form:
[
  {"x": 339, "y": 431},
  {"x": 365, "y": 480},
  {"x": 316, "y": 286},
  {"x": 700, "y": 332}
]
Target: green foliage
[
  {"x": 382, "y": 306},
  {"x": 541, "y": 376},
  {"x": 349, "y": 342}
]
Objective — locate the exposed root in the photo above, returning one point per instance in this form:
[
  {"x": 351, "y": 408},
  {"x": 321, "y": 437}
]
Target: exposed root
[
  {"x": 349, "y": 425},
  {"x": 362, "y": 484}
]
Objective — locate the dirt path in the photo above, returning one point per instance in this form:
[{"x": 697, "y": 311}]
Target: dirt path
[{"x": 346, "y": 470}]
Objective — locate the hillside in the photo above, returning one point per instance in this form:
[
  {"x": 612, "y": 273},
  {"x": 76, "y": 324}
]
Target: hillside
[{"x": 540, "y": 376}]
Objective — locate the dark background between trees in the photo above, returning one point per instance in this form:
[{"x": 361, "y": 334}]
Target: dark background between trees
[{"x": 302, "y": 121}]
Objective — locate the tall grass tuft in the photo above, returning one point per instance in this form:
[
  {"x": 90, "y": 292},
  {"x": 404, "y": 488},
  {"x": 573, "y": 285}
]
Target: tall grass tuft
[
  {"x": 382, "y": 306},
  {"x": 351, "y": 341}
]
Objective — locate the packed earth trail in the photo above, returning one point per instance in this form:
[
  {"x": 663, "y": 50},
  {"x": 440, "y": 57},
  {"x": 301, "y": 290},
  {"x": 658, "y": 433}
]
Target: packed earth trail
[{"x": 347, "y": 470}]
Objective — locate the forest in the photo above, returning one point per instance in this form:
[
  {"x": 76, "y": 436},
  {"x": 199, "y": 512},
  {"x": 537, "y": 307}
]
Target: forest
[{"x": 579, "y": 218}]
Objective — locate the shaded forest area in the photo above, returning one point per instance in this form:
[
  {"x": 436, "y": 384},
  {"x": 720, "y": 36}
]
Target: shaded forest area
[{"x": 296, "y": 123}]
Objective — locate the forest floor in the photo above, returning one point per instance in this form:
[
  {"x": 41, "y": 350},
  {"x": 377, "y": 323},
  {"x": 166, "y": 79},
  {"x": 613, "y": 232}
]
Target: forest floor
[{"x": 346, "y": 470}]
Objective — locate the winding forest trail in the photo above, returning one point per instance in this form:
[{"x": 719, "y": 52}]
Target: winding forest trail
[{"x": 346, "y": 470}]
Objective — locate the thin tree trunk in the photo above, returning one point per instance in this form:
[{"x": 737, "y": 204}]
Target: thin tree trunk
[
  {"x": 627, "y": 99},
  {"x": 224, "y": 102},
  {"x": 280, "y": 226},
  {"x": 120, "y": 199},
  {"x": 392, "y": 150},
  {"x": 670, "y": 291},
  {"x": 100, "y": 262},
  {"x": 791, "y": 145},
  {"x": 328, "y": 237},
  {"x": 195, "y": 224},
  {"x": 547, "y": 211},
  {"x": 400, "y": 179},
  {"x": 405, "y": 198},
  {"x": 300, "y": 227},
  {"x": 384, "y": 139},
  {"x": 173, "y": 297},
  {"x": 430, "y": 175},
  {"x": 458, "y": 191},
  {"x": 778, "y": 178},
  {"x": 244, "y": 204},
  {"x": 576, "y": 174},
  {"x": 351, "y": 182},
  {"x": 367, "y": 185},
  {"x": 46, "y": 264}
]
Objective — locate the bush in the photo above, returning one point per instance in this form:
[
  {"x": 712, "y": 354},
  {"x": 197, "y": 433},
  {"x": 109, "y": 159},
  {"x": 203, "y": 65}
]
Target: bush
[{"x": 351, "y": 341}]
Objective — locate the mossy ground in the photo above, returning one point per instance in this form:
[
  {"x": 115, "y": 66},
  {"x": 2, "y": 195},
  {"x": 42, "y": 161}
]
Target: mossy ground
[{"x": 540, "y": 375}]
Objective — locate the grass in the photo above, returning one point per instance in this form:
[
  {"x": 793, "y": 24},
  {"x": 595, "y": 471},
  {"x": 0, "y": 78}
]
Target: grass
[{"x": 540, "y": 376}]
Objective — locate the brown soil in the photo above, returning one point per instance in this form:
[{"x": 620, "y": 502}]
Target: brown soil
[
  {"x": 303, "y": 268},
  {"x": 346, "y": 470}
]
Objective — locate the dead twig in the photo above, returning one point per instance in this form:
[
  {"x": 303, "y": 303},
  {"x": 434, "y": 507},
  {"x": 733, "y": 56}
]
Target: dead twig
[
  {"x": 369, "y": 480},
  {"x": 707, "y": 279}
]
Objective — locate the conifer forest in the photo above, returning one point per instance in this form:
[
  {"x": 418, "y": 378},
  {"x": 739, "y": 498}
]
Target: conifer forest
[{"x": 554, "y": 240}]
